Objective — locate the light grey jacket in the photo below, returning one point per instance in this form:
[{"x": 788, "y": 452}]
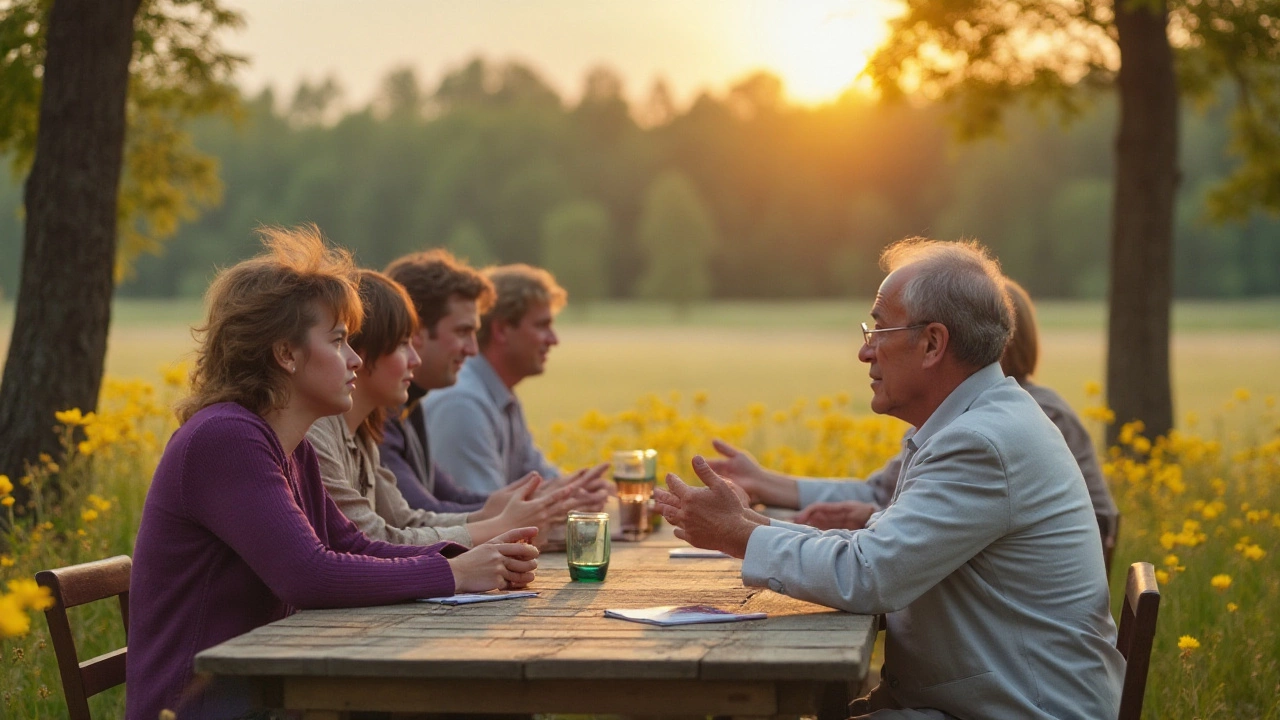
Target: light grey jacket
[{"x": 988, "y": 564}]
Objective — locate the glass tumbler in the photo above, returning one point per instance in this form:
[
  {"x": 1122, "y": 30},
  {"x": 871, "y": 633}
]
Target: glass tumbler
[{"x": 587, "y": 545}]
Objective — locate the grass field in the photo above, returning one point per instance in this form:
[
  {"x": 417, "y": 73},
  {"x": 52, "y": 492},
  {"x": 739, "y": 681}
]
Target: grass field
[
  {"x": 740, "y": 353},
  {"x": 1203, "y": 507}
]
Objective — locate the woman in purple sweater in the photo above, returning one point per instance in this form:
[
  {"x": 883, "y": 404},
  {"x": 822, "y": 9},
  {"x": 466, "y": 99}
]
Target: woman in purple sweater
[{"x": 237, "y": 530}]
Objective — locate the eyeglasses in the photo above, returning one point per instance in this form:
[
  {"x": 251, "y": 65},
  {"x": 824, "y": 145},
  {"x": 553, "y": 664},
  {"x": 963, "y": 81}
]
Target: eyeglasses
[{"x": 868, "y": 335}]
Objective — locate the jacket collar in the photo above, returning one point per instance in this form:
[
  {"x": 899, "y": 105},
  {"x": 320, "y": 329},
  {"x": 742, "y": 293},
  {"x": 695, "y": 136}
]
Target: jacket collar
[{"x": 957, "y": 402}]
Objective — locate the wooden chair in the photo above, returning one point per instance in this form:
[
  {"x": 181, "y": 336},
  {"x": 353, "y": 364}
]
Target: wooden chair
[
  {"x": 1137, "y": 632},
  {"x": 78, "y": 585},
  {"x": 1110, "y": 536}
]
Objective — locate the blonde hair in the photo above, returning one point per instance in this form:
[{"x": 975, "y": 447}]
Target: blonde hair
[
  {"x": 518, "y": 288},
  {"x": 1023, "y": 351},
  {"x": 274, "y": 297}
]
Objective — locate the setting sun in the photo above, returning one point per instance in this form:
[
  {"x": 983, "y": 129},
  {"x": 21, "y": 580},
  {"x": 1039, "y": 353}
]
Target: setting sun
[{"x": 820, "y": 47}]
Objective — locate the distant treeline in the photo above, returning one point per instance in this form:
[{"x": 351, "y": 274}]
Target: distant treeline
[{"x": 751, "y": 196}]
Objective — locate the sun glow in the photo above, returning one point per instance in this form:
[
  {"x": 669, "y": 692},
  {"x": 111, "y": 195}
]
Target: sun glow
[{"x": 820, "y": 47}]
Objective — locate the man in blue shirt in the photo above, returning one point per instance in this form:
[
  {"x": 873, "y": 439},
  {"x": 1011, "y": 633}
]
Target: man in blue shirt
[{"x": 478, "y": 430}]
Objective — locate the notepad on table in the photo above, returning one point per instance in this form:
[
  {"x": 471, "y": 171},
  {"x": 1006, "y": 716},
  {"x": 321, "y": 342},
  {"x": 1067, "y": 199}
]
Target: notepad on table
[
  {"x": 686, "y": 615},
  {"x": 693, "y": 552},
  {"x": 469, "y": 598}
]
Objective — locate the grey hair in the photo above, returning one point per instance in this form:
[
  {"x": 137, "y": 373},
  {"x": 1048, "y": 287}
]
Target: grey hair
[{"x": 958, "y": 284}]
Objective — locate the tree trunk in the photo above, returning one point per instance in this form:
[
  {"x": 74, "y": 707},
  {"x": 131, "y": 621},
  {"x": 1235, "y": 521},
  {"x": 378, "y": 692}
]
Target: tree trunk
[
  {"x": 69, "y": 247},
  {"x": 1138, "y": 386}
]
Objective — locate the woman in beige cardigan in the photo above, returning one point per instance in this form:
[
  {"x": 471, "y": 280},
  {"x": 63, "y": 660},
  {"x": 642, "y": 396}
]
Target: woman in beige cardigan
[{"x": 347, "y": 444}]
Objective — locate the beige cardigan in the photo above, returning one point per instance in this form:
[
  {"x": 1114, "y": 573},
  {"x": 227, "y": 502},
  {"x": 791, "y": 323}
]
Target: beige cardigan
[{"x": 367, "y": 494}]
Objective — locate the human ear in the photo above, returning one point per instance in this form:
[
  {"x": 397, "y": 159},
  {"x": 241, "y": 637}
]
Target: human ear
[
  {"x": 498, "y": 331},
  {"x": 936, "y": 338},
  {"x": 285, "y": 357}
]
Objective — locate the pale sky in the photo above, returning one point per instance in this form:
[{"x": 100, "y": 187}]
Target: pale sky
[{"x": 818, "y": 47}]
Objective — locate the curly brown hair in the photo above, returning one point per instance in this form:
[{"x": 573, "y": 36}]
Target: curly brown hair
[
  {"x": 389, "y": 320},
  {"x": 519, "y": 287},
  {"x": 432, "y": 277},
  {"x": 275, "y": 297}
]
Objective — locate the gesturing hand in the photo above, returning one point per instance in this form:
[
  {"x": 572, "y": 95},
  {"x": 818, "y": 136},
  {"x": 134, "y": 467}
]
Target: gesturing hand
[
  {"x": 846, "y": 515},
  {"x": 711, "y": 517},
  {"x": 496, "y": 502},
  {"x": 592, "y": 488},
  {"x": 760, "y": 484},
  {"x": 507, "y": 561}
]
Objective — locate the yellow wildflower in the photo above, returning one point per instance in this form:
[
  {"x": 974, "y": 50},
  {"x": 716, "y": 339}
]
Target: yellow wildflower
[
  {"x": 1186, "y": 642},
  {"x": 1092, "y": 388},
  {"x": 99, "y": 504},
  {"x": 174, "y": 375},
  {"x": 1254, "y": 552},
  {"x": 1220, "y": 582},
  {"x": 1171, "y": 560},
  {"x": 700, "y": 397},
  {"x": 70, "y": 418},
  {"x": 1162, "y": 577},
  {"x": 1241, "y": 394},
  {"x": 1100, "y": 413},
  {"x": 7, "y": 501},
  {"x": 1232, "y": 607},
  {"x": 89, "y": 515},
  {"x": 31, "y": 594},
  {"x": 6, "y": 486},
  {"x": 6, "y": 561},
  {"x": 14, "y": 620}
]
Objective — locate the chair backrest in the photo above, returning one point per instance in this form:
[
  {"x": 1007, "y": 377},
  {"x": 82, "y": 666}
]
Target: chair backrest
[
  {"x": 1110, "y": 536},
  {"x": 78, "y": 585},
  {"x": 1137, "y": 632}
]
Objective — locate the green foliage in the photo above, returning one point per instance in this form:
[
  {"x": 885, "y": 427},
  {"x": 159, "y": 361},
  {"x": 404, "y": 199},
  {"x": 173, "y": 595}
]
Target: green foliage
[
  {"x": 179, "y": 71},
  {"x": 805, "y": 197},
  {"x": 575, "y": 238},
  {"x": 678, "y": 233},
  {"x": 467, "y": 244},
  {"x": 985, "y": 56}
]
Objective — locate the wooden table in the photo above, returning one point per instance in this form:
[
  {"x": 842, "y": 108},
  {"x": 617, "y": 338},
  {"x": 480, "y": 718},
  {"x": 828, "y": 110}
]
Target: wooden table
[{"x": 558, "y": 653}]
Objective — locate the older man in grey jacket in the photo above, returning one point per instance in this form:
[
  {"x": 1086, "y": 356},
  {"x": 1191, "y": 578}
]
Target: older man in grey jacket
[{"x": 988, "y": 563}]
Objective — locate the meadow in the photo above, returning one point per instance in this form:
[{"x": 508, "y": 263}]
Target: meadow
[
  {"x": 783, "y": 380},
  {"x": 740, "y": 353}
]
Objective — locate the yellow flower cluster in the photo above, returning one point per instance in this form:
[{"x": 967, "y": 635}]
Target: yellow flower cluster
[
  {"x": 121, "y": 424},
  {"x": 23, "y": 595},
  {"x": 1204, "y": 498},
  {"x": 823, "y": 439},
  {"x": 6, "y": 490}
]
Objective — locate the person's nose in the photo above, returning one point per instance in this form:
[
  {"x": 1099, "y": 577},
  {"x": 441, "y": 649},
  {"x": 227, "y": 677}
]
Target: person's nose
[
  {"x": 470, "y": 347},
  {"x": 353, "y": 359},
  {"x": 552, "y": 338},
  {"x": 414, "y": 358},
  {"x": 866, "y": 353}
]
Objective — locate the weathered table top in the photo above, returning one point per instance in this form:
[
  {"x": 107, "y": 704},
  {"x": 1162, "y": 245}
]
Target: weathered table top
[{"x": 558, "y": 653}]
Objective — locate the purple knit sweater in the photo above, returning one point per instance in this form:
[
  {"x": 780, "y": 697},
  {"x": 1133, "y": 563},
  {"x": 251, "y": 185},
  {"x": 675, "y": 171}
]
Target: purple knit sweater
[{"x": 236, "y": 534}]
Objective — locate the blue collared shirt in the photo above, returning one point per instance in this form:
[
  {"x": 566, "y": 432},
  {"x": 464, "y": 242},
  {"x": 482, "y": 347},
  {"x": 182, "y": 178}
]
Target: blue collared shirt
[{"x": 478, "y": 432}]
